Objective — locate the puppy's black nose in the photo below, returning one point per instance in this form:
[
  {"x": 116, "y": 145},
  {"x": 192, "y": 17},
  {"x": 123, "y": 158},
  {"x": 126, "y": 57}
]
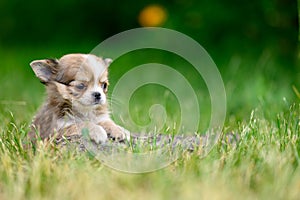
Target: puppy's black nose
[{"x": 96, "y": 95}]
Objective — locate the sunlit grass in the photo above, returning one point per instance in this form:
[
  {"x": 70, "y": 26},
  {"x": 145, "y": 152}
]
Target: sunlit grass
[{"x": 262, "y": 164}]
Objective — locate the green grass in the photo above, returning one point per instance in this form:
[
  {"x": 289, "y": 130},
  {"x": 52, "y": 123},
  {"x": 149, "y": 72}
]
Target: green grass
[{"x": 263, "y": 164}]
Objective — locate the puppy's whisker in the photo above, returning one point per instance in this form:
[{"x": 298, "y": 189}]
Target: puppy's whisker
[{"x": 113, "y": 101}]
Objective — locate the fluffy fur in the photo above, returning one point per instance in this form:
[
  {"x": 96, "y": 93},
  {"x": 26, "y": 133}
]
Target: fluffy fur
[{"x": 76, "y": 98}]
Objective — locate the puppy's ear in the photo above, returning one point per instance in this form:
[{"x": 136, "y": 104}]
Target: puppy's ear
[
  {"x": 44, "y": 69},
  {"x": 108, "y": 61}
]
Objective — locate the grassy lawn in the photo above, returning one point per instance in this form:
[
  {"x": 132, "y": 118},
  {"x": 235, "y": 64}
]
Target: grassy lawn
[{"x": 262, "y": 110}]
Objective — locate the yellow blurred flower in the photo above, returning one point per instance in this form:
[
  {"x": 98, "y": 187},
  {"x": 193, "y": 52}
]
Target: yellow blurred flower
[{"x": 152, "y": 15}]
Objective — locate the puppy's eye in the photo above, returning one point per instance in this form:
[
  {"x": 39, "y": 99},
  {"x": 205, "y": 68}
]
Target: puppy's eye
[
  {"x": 104, "y": 86},
  {"x": 80, "y": 86}
]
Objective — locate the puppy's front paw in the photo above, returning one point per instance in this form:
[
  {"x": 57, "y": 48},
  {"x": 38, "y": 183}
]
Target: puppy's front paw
[
  {"x": 119, "y": 133},
  {"x": 114, "y": 131},
  {"x": 97, "y": 134}
]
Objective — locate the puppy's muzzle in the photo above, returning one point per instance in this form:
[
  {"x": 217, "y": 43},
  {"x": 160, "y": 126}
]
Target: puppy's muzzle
[{"x": 96, "y": 96}]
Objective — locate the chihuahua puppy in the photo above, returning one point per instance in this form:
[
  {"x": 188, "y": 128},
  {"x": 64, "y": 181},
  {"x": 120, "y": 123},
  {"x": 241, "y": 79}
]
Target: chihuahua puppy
[{"x": 76, "y": 99}]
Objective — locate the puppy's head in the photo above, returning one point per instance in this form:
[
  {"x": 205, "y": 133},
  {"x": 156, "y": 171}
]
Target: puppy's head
[{"x": 79, "y": 78}]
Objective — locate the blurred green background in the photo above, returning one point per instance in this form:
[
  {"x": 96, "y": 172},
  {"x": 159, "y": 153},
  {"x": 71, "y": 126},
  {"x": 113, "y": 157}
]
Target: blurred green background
[
  {"x": 220, "y": 26},
  {"x": 238, "y": 26},
  {"x": 254, "y": 44}
]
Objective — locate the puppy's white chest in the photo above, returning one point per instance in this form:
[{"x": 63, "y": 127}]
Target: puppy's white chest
[
  {"x": 93, "y": 116},
  {"x": 69, "y": 120}
]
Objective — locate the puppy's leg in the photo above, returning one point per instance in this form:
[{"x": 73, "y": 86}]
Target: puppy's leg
[
  {"x": 96, "y": 132},
  {"x": 114, "y": 131}
]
